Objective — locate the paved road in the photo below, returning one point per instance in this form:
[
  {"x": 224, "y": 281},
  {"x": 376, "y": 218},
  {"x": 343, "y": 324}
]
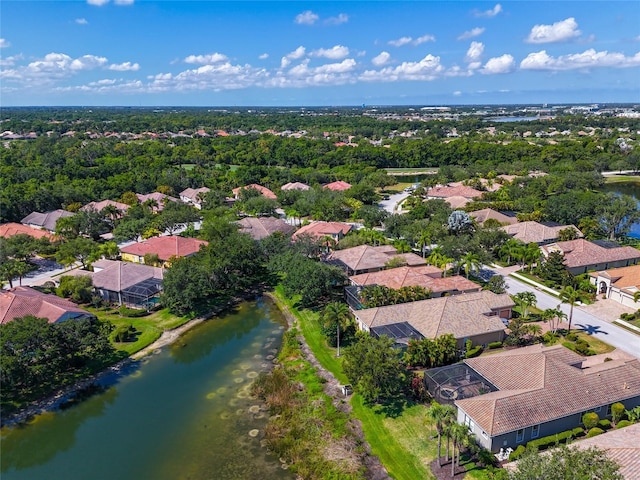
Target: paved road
[
  {"x": 393, "y": 201},
  {"x": 605, "y": 331}
]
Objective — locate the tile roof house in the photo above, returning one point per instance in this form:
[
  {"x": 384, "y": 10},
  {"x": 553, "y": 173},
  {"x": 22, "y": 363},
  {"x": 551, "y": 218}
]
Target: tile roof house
[
  {"x": 194, "y": 196},
  {"x": 10, "y": 229},
  {"x": 446, "y": 191},
  {"x": 99, "y": 206},
  {"x": 125, "y": 283},
  {"x": 534, "y": 232},
  {"x": 540, "y": 391},
  {"x": 426, "y": 276},
  {"x": 295, "y": 186},
  {"x": 261, "y": 227},
  {"x": 319, "y": 230},
  {"x": 165, "y": 247},
  {"x": 619, "y": 284},
  {"x": 475, "y": 316},
  {"x": 485, "y": 214},
  {"x": 581, "y": 255},
  {"x": 365, "y": 258},
  {"x": 263, "y": 190},
  {"x": 46, "y": 220},
  {"x": 337, "y": 186},
  {"x": 22, "y": 301},
  {"x": 159, "y": 198}
]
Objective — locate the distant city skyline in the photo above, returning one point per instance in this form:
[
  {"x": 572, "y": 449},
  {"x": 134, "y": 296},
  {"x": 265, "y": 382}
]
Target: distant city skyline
[{"x": 276, "y": 53}]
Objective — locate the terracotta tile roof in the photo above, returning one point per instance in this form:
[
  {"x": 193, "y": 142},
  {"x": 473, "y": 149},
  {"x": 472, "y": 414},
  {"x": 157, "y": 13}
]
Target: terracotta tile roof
[
  {"x": 366, "y": 257},
  {"x": 261, "y": 227},
  {"x": 485, "y": 214},
  {"x": 193, "y": 194},
  {"x": 457, "y": 201},
  {"x": 463, "y": 315},
  {"x": 621, "y": 446},
  {"x": 118, "y": 276},
  {"x": 321, "y": 229},
  {"x": 625, "y": 277},
  {"x": 160, "y": 199},
  {"x": 582, "y": 253},
  {"x": 453, "y": 191},
  {"x": 45, "y": 220},
  {"x": 21, "y": 301},
  {"x": 534, "y": 232},
  {"x": 99, "y": 206},
  {"x": 338, "y": 186},
  {"x": 165, "y": 247},
  {"x": 424, "y": 276},
  {"x": 263, "y": 190},
  {"x": 295, "y": 186},
  {"x": 10, "y": 229},
  {"x": 540, "y": 384}
]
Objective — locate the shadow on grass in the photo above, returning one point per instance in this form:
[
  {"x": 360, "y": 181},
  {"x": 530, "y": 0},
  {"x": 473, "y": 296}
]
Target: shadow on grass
[{"x": 393, "y": 407}]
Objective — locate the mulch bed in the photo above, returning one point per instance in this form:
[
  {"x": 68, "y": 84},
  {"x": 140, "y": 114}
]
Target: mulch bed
[{"x": 444, "y": 472}]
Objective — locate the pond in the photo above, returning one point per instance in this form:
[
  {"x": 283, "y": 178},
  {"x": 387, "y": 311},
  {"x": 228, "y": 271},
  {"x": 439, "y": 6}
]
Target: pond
[
  {"x": 626, "y": 188},
  {"x": 183, "y": 413}
]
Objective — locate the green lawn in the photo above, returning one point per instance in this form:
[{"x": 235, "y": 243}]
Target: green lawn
[
  {"x": 402, "y": 441},
  {"x": 408, "y": 171},
  {"x": 150, "y": 327},
  {"x": 622, "y": 179}
]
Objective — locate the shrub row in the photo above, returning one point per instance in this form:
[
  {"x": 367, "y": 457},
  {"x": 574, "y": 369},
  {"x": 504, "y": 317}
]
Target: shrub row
[
  {"x": 474, "y": 352},
  {"x": 493, "y": 345},
  {"x": 623, "y": 423},
  {"x": 594, "y": 431},
  {"x": 132, "y": 312},
  {"x": 546, "y": 442}
]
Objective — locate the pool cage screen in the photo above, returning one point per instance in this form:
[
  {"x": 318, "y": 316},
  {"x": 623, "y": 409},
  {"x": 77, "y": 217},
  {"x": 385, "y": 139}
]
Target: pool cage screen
[{"x": 455, "y": 382}]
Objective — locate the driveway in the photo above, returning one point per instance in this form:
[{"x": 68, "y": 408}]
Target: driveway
[
  {"x": 392, "y": 204},
  {"x": 582, "y": 320}
]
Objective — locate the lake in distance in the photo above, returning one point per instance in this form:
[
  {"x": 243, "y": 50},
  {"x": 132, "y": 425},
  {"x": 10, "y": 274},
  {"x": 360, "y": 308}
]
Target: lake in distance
[{"x": 183, "y": 413}]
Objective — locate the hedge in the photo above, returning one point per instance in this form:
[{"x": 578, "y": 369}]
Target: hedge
[
  {"x": 494, "y": 345},
  {"x": 623, "y": 423},
  {"x": 594, "y": 431},
  {"x": 474, "y": 352},
  {"x": 551, "y": 440},
  {"x": 517, "y": 453},
  {"x": 604, "y": 424},
  {"x": 132, "y": 312}
]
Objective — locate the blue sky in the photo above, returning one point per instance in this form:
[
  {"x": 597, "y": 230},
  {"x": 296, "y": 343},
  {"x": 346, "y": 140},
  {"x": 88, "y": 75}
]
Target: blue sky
[{"x": 264, "y": 53}]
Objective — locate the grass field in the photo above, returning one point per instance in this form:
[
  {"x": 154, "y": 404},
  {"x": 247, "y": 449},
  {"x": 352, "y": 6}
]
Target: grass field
[
  {"x": 410, "y": 171},
  {"x": 622, "y": 179},
  {"x": 150, "y": 327},
  {"x": 400, "y": 437}
]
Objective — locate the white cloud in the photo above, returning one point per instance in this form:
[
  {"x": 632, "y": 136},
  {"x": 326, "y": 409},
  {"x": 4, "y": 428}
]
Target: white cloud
[
  {"x": 206, "y": 59},
  {"x": 457, "y": 93},
  {"x": 341, "y": 18},
  {"x": 587, "y": 59},
  {"x": 306, "y": 18},
  {"x": 333, "y": 53},
  {"x": 297, "y": 54},
  {"x": 100, "y": 83},
  {"x": 474, "y": 32},
  {"x": 558, "y": 32},
  {"x": 264, "y": 56},
  {"x": 81, "y": 21},
  {"x": 476, "y": 49},
  {"x": 10, "y": 61},
  {"x": 97, "y": 3},
  {"x": 4, "y": 43},
  {"x": 400, "y": 41},
  {"x": 123, "y": 2},
  {"x": 87, "y": 62},
  {"x": 503, "y": 64},
  {"x": 424, "y": 39},
  {"x": 489, "y": 13},
  {"x": 410, "y": 40},
  {"x": 381, "y": 59},
  {"x": 429, "y": 68},
  {"x": 125, "y": 67}
]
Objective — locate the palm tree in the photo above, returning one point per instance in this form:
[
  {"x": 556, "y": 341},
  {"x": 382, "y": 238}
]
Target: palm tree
[
  {"x": 531, "y": 254},
  {"x": 440, "y": 414},
  {"x": 338, "y": 313},
  {"x": 511, "y": 249},
  {"x": 554, "y": 316},
  {"x": 459, "y": 435},
  {"x": 571, "y": 296},
  {"x": 525, "y": 300},
  {"x": 471, "y": 261}
]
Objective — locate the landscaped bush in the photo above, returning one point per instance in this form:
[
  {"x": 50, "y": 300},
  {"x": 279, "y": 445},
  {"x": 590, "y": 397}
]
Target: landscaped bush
[
  {"x": 549, "y": 338},
  {"x": 623, "y": 423},
  {"x": 590, "y": 420},
  {"x": 594, "y": 431},
  {"x": 124, "y": 333},
  {"x": 551, "y": 440},
  {"x": 132, "y": 312},
  {"x": 604, "y": 424},
  {"x": 517, "y": 453},
  {"x": 474, "y": 352},
  {"x": 617, "y": 412},
  {"x": 493, "y": 345},
  {"x": 572, "y": 337}
]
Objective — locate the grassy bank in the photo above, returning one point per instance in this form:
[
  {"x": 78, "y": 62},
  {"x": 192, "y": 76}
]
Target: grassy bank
[
  {"x": 401, "y": 437},
  {"x": 148, "y": 328},
  {"x": 622, "y": 179}
]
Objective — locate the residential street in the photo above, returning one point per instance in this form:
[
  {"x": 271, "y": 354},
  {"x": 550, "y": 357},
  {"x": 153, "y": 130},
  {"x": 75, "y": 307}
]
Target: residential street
[
  {"x": 605, "y": 331},
  {"x": 392, "y": 203}
]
